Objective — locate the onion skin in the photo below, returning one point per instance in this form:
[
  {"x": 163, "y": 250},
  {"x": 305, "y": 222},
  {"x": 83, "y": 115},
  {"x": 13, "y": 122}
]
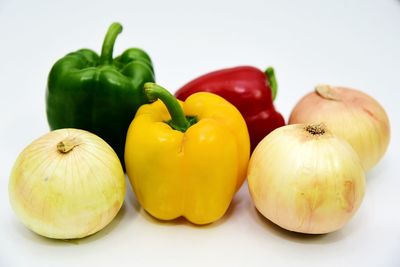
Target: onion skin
[
  {"x": 303, "y": 182},
  {"x": 67, "y": 184},
  {"x": 351, "y": 115}
]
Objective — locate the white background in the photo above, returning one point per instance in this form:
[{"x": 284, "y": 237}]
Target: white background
[{"x": 352, "y": 43}]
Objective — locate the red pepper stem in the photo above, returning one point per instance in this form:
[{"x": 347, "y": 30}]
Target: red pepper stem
[
  {"x": 108, "y": 43},
  {"x": 272, "y": 81},
  {"x": 178, "y": 120}
]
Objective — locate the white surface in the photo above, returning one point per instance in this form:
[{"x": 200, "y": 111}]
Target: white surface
[{"x": 353, "y": 43}]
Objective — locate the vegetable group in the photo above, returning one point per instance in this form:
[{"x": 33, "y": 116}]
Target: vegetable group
[
  {"x": 186, "y": 158},
  {"x": 304, "y": 179},
  {"x": 67, "y": 184},
  {"x": 350, "y": 114},
  {"x": 250, "y": 90},
  {"x": 98, "y": 93}
]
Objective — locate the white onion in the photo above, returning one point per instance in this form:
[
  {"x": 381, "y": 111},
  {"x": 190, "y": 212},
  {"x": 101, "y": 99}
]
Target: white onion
[
  {"x": 67, "y": 184},
  {"x": 349, "y": 114},
  {"x": 304, "y": 179}
]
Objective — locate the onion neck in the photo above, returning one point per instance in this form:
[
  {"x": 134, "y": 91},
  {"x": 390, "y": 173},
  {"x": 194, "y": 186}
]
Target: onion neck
[
  {"x": 327, "y": 92},
  {"x": 67, "y": 145}
]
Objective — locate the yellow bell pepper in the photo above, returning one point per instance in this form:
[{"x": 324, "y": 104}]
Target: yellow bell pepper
[{"x": 186, "y": 158}]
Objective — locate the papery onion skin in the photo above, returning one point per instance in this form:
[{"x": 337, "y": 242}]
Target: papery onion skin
[
  {"x": 349, "y": 114},
  {"x": 70, "y": 194},
  {"x": 305, "y": 183}
]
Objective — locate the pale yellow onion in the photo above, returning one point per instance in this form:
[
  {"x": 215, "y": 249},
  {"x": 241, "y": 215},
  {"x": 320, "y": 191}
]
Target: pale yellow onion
[
  {"x": 349, "y": 114},
  {"x": 67, "y": 184},
  {"x": 305, "y": 179}
]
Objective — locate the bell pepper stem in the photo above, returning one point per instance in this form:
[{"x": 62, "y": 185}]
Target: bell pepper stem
[
  {"x": 108, "y": 43},
  {"x": 272, "y": 81},
  {"x": 178, "y": 119}
]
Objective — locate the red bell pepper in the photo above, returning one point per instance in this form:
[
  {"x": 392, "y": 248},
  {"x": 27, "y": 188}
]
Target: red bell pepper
[{"x": 250, "y": 90}]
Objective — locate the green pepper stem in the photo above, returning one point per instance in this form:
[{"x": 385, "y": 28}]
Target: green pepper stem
[
  {"x": 272, "y": 81},
  {"x": 178, "y": 120},
  {"x": 108, "y": 43}
]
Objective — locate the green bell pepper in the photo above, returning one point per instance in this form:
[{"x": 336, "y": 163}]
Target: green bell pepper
[{"x": 98, "y": 93}]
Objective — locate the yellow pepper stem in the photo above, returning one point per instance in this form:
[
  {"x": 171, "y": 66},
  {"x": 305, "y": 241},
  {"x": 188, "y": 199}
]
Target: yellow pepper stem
[{"x": 178, "y": 119}]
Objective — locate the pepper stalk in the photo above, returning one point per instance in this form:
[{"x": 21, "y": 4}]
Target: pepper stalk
[
  {"x": 108, "y": 43},
  {"x": 178, "y": 119}
]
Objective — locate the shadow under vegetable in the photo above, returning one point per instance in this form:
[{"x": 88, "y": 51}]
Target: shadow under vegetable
[{"x": 295, "y": 236}]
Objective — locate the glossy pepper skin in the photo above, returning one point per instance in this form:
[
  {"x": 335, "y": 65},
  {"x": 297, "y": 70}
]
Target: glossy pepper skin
[
  {"x": 250, "y": 90},
  {"x": 186, "y": 158},
  {"x": 98, "y": 93}
]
